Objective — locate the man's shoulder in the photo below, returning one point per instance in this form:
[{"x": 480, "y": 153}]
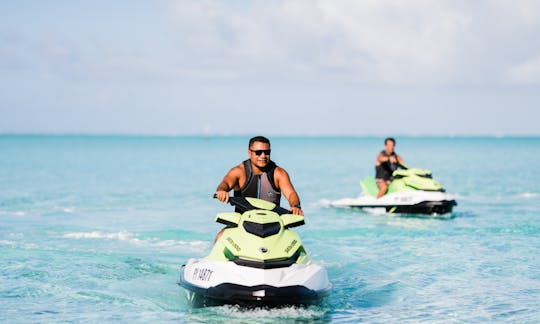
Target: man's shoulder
[
  {"x": 237, "y": 169},
  {"x": 240, "y": 166},
  {"x": 279, "y": 171}
]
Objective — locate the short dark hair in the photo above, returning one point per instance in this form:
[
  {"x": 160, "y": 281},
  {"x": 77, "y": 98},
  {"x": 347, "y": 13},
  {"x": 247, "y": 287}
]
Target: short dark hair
[
  {"x": 390, "y": 139},
  {"x": 261, "y": 139}
]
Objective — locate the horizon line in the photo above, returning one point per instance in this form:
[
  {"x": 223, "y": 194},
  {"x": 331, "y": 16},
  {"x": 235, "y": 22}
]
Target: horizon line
[{"x": 121, "y": 134}]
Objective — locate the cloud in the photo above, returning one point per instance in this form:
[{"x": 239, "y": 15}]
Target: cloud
[
  {"x": 186, "y": 66},
  {"x": 370, "y": 41},
  {"x": 527, "y": 72}
]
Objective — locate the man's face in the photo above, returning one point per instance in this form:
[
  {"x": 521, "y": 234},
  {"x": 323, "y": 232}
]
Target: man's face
[
  {"x": 389, "y": 147},
  {"x": 259, "y": 154}
]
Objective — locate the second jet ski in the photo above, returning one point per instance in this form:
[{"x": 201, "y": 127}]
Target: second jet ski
[{"x": 412, "y": 191}]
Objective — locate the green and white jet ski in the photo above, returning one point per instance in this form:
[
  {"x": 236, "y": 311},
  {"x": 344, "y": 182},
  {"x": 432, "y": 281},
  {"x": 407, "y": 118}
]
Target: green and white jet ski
[
  {"x": 257, "y": 261},
  {"x": 412, "y": 191}
]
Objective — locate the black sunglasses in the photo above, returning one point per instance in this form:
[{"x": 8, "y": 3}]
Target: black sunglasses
[{"x": 259, "y": 152}]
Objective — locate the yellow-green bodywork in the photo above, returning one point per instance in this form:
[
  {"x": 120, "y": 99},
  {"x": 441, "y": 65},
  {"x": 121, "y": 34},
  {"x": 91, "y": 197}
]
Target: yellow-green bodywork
[
  {"x": 236, "y": 242},
  {"x": 405, "y": 180},
  {"x": 261, "y": 204}
]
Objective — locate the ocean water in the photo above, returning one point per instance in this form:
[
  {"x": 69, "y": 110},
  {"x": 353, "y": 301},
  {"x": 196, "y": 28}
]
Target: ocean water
[{"x": 95, "y": 229}]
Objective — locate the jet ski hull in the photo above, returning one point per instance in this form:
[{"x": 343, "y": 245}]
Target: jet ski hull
[
  {"x": 424, "y": 207},
  {"x": 413, "y": 202},
  {"x": 212, "y": 283}
]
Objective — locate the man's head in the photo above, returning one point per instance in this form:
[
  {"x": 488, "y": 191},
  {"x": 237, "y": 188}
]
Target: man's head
[
  {"x": 389, "y": 144},
  {"x": 261, "y": 139},
  {"x": 259, "y": 151}
]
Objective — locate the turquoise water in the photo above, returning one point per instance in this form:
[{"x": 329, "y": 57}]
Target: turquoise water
[{"x": 95, "y": 228}]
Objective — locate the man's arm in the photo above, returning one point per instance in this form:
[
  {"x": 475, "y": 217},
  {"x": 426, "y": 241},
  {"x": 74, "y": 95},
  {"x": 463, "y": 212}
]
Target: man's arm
[
  {"x": 401, "y": 162},
  {"x": 284, "y": 184},
  {"x": 381, "y": 158},
  {"x": 229, "y": 182}
]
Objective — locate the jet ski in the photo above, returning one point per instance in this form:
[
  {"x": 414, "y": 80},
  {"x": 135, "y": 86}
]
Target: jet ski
[
  {"x": 412, "y": 191},
  {"x": 257, "y": 261}
]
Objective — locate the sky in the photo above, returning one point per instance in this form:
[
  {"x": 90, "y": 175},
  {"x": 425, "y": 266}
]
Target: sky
[{"x": 298, "y": 67}]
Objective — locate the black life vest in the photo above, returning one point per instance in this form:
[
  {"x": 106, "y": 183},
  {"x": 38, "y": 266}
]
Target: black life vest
[
  {"x": 260, "y": 186},
  {"x": 385, "y": 169}
]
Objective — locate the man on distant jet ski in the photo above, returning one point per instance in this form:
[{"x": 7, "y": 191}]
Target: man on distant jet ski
[
  {"x": 259, "y": 177},
  {"x": 387, "y": 162}
]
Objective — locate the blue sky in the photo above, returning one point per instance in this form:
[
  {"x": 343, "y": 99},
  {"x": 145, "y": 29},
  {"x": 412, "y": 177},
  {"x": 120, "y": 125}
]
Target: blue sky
[{"x": 303, "y": 67}]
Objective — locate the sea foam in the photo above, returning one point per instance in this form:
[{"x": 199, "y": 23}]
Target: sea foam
[{"x": 132, "y": 239}]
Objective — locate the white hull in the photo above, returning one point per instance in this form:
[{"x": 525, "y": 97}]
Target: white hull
[
  {"x": 234, "y": 283},
  {"x": 418, "y": 201}
]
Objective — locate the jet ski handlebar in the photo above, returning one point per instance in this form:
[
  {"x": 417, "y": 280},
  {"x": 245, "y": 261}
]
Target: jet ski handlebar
[{"x": 243, "y": 204}]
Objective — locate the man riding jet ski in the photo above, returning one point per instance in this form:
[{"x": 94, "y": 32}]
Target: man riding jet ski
[
  {"x": 411, "y": 191},
  {"x": 257, "y": 261}
]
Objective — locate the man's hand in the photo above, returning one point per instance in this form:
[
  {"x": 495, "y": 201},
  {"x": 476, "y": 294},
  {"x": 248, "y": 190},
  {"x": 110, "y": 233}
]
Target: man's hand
[
  {"x": 296, "y": 211},
  {"x": 222, "y": 196}
]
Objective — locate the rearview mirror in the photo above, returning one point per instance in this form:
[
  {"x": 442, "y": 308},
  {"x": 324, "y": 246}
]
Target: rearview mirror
[
  {"x": 291, "y": 220},
  {"x": 230, "y": 219}
]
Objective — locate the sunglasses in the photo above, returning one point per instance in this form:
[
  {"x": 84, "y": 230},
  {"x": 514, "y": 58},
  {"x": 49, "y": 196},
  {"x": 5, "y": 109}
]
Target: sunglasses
[{"x": 259, "y": 152}]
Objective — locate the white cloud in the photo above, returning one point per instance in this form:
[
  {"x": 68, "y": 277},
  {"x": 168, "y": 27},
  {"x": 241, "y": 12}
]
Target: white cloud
[
  {"x": 371, "y": 41},
  {"x": 321, "y": 66},
  {"x": 525, "y": 73}
]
